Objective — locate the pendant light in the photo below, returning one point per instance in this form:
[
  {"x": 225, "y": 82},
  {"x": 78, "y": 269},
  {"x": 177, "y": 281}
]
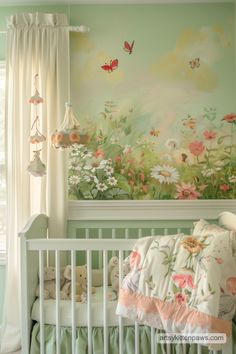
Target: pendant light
[{"x": 69, "y": 133}]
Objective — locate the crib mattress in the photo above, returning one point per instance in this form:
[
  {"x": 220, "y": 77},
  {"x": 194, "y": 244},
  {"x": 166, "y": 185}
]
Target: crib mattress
[{"x": 81, "y": 312}]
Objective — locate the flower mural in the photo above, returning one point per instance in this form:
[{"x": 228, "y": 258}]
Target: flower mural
[{"x": 121, "y": 162}]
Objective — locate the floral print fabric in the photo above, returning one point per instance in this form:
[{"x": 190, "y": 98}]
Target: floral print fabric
[{"x": 181, "y": 283}]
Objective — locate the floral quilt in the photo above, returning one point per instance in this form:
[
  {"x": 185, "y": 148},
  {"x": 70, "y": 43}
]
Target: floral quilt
[{"x": 182, "y": 284}]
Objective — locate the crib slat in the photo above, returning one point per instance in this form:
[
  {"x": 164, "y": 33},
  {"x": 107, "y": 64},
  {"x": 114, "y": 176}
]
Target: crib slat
[
  {"x": 136, "y": 337},
  {"x": 99, "y": 252},
  {"x": 121, "y": 332},
  {"x": 153, "y": 340},
  {"x": 126, "y": 237},
  {"x": 199, "y": 349},
  {"x": 168, "y": 348},
  {"x": 57, "y": 258},
  {"x": 166, "y": 231},
  {"x": 87, "y": 233},
  {"x": 140, "y": 233},
  {"x": 89, "y": 302},
  {"x": 152, "y": 232},
  {"x": 41, "y": 301},
  {"x": 105, "y": 297},
  {"x": 73, "y": 291},
  {"x": 113, "y": 236}
]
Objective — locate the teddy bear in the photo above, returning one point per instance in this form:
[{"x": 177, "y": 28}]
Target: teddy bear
[
  {"x": 50, "y": 284},
  {"x": 113, "y": 269},
  {"x": 80, "y": 285}
]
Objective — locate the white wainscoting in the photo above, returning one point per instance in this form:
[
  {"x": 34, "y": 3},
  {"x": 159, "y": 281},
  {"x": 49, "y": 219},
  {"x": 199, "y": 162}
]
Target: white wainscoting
[{"x": 149, "y": 210}]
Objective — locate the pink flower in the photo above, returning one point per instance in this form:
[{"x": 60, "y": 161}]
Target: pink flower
[
  {"x": 181, "y": 298},
  {"x": 145, "y": 188},
  {"x": 99, "y": 153},
  {"x": 224, "y": 187},
  {"x": 209, "y": 135},
  {"x": 230, "y": 118},
  {"x": 135, "y": 259},
  {"x": 219, "y": 260},
  {"x": 187, "y": 191},
  {"x": 231, "y": 285},
  {"x": 184, "y": 280},
  {"x": 142, "y": 176},
  {"x": 117, "y": 159},
  {"x": 196, "y": 148}
]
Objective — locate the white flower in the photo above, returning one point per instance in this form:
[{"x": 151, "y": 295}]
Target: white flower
[
  {"x": 103, "y": 164},
  {"x": 165, "y": 174},
  {"x": 74, "y": 164},
  {"x": 171, "y": 144},
  {"x": 88, "y": 178},
  {"x": 88, "y": 167},
  {"x": 127, "y": 149},
  {"x": 74, "y": 180},
  {"x": 219, "y": 163},
  {"x": 95, "y": 179},
  {"x": 112, "y": 181},
  {"x": 109, "y": 170},
  {"x": 207, "y": 172},
  {"x": 101, "y": 187},
  {"x": 232, "y": 179}
]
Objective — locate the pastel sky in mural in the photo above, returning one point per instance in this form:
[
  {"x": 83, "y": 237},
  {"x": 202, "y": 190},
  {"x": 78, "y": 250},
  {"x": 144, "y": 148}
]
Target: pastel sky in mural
[
  {"x": 155, "y": 86},
  {"x": 158, "y": 72}
]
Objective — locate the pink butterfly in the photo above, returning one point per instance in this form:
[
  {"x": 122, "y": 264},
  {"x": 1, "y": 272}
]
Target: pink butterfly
[
  {"x": 128, "y": 47},
  {"x": 110, "y": 67}
]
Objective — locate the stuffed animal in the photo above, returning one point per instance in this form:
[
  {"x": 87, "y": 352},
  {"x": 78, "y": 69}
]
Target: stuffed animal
[
  {"x": 81, "y": 283},
  {"x": 50, "y": 284},
  {"x": 113, "y": 268}
]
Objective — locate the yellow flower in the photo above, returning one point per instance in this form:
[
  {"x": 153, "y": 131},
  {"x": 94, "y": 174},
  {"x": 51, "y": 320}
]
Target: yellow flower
[{"x": 192, "y": 245}]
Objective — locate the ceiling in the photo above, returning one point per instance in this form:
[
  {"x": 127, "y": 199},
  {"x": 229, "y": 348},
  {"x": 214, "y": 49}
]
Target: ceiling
[{"x": 71, "y": 2}]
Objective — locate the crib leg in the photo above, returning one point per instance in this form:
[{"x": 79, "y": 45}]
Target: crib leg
[{"x": 228, "y": 347}]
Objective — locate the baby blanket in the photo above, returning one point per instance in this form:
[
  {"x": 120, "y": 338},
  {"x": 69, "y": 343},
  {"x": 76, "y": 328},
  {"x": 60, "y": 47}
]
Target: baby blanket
[{"x": 182, "y": 284}]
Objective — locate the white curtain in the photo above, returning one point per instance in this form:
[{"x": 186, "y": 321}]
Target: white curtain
[{"x": 37, "y": 44}]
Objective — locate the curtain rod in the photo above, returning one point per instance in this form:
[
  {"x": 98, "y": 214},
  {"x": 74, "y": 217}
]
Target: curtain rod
[{"x": 81, "y": 29}]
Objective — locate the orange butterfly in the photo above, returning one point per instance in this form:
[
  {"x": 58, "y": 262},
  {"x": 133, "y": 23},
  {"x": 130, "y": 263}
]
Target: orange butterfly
[
  {"x": 128, "y": 47},
  {"x": 194, "y": 63},
  {"x": 190, "y": 122},
  {"x": 110, "y": 67},
  {"x": 155, "y": 132}
]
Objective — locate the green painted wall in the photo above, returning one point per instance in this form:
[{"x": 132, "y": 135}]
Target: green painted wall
[{"x": 109, "y": 24}]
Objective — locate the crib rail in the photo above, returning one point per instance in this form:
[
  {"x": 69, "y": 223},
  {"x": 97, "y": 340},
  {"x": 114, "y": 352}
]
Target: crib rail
[
  {"x": 39, "y": 247},
  {"x": 80, "y": 245}
]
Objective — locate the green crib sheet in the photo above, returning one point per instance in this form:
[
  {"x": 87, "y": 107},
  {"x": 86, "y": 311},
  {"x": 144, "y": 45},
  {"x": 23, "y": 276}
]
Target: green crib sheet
[{"x": 113, "y": 333}]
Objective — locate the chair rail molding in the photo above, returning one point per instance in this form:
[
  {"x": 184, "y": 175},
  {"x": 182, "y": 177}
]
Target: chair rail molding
[{"x": 148, "y": 210}]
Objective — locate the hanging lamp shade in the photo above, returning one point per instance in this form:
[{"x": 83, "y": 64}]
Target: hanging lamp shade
[
  {"x": 69, "y": 133},
  {"x": 36, "y": 98},
  {"x": 36, "y": 167}
]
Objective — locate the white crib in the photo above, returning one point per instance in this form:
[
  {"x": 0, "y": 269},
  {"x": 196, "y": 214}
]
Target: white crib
[{"x": 36, "y": 250}]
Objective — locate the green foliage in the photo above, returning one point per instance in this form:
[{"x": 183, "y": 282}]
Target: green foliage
[{"x": 120, "y": 162}]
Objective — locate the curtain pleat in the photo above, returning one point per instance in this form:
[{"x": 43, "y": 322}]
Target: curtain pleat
[{"x": 37, "y": 44}]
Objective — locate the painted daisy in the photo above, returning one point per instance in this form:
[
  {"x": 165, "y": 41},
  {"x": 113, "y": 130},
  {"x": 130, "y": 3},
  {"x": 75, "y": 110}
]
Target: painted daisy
[
  {"x": 74, "y": 180},
  {"x": 207, "y": 172},
  {"x": 109, "y": 170},
  {"x": 101, "y": 187},
  {"x": 112, "y": 181},
  {"x": 232, "y": 179},
  {"x": 165, "y": 174}
]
